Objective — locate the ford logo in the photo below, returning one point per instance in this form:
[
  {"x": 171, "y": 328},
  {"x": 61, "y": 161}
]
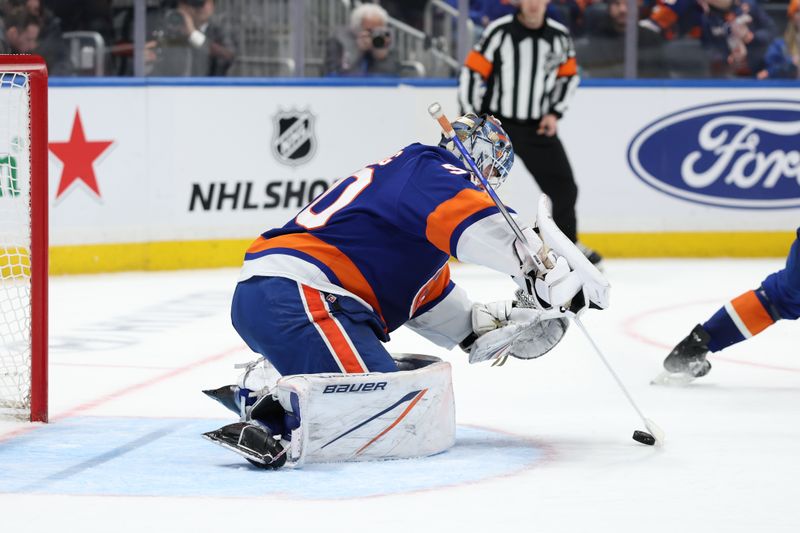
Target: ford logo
[{"x": 742, "y": 154}]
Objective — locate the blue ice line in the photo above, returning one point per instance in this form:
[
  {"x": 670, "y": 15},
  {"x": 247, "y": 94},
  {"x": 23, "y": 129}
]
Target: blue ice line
[{"x": 102, "y": 458}]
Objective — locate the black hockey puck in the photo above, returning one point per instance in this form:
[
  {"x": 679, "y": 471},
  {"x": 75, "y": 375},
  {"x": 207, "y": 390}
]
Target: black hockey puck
[{"x": 644, "y": 437}]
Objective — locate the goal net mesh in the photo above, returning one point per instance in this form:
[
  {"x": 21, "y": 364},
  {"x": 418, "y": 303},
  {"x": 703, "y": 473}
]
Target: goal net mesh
[{"x": 15, "y": 245}]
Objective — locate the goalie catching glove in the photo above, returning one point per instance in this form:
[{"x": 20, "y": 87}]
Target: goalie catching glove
[{"x": 502, "y": 329}]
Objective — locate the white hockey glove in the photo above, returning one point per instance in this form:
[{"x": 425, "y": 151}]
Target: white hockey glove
[
  {"x": 594, "y": 288},
  {"x": 554, "y": 272},
  {"x": 543, "y": 274},
  {"x": 502, "y": 329}
]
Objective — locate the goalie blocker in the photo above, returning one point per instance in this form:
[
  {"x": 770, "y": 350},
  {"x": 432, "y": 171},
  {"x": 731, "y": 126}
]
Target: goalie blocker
[{"x": 343, "y": 417}]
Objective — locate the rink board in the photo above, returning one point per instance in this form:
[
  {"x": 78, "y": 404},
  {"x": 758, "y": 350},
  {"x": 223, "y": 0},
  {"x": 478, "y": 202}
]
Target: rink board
[
  {"x": 167, "y": 457},
  {"x": 193, "y": 170}
]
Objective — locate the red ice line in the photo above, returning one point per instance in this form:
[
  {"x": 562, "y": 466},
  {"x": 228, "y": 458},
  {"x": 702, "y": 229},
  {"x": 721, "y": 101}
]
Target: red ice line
[
  {"x": 124, "y": 391},
  {"x": 630, "y": 326}
]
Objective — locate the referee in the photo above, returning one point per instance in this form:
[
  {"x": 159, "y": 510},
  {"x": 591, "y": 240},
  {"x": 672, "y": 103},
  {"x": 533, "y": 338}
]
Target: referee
[{"x": 524, "y": 72}]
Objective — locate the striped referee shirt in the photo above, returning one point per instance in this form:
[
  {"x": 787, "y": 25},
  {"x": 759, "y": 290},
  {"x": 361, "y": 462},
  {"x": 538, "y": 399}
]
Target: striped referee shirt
[{"x": 518, "y": 73}]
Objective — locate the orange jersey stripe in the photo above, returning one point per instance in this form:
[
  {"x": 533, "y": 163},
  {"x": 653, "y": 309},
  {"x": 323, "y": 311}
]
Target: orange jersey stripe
[
  {"x": 478, "y": 62},
  {"x": 568, "y": 68},
  {"x": 407, "y": 410},
  {"x": 431, "y": 290},
  {"x": 444, "y": 220},
  {"x": 751, "y": 312},
  {"x": 348, "y": 273},
  {"x": 348, "y": 359}
]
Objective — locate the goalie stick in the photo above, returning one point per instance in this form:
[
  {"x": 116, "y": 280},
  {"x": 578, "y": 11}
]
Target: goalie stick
[{"x": 656, "y": 433}]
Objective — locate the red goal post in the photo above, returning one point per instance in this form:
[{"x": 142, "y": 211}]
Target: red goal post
[{"x": 23, "y": 237}]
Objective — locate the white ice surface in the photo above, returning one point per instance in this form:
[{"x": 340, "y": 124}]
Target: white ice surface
[{"x": 134, "y": 350}]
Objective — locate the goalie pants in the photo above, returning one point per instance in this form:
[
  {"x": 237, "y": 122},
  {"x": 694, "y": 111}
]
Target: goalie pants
[
  {"x": 546, "y": 159},
  {"x": 301, "y": 330}
]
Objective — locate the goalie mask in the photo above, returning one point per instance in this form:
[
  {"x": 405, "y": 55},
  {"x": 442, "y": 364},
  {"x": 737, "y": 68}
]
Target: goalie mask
[{"x": 487, "y": 143}]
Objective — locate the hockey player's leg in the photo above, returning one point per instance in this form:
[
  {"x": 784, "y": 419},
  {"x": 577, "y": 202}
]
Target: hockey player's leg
[
  {"x": 546, "y": 159},
  {"x": 264, "y": 428},
  {"x": 783, "y": 287},
  {"x": 301, "y": 330},
  {"x": 747, "y": 315},
  {"x": 741, "y": 318},
  {"x": 558, "y": 182},
  {"x": 348, "y": 417}
]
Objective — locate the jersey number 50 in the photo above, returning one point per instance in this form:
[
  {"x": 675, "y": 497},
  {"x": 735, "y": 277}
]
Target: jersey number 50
[{"x": 347, "y": 190}]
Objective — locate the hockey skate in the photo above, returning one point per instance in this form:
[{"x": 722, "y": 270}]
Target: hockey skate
[
  {"x": 227, "y": 395},
  {"x": 252, "y": 442},
  {"x": 687, "y": 361}
]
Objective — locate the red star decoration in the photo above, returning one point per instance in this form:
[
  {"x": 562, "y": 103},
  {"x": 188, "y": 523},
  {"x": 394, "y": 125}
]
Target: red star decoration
[{"x": 78, "y": 156}]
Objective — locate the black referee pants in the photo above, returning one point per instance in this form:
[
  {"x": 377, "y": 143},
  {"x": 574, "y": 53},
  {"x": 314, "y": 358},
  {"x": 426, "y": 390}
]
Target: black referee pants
[{"x": 546, "y": 159}]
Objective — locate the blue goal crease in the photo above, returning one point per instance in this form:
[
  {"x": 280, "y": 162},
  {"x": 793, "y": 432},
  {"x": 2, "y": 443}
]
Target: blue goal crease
[
  {"x": 168, "y": 458},
  {"x": 105, "y": 457}
]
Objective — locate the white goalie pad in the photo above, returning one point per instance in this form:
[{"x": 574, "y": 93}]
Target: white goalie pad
[{"x": 362, "y": 417}]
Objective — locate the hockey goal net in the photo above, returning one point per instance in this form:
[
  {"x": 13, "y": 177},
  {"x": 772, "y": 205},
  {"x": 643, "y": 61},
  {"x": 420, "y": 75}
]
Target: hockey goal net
[{"x": 23, "y": 237}]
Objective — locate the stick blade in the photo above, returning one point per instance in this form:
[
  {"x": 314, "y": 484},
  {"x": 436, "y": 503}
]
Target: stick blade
[{"x": 655, "y": 431}]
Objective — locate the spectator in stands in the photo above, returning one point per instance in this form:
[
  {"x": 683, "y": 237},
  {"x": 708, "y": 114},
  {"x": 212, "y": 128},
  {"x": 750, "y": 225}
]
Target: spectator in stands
[
  {"x": 737, "y": 34},
  {"x": 567, "y": 12},
  {"x": 121, "y": 38},
  {"x": 84, "y": 15},
  {"x": 607, "y": 20},
  {"x": 782, "y": 59},
  {"x": 51, "y": 45},
  {"x": 191, "y": 44},
  {"x": 489, "y": 10},
  {"x": 734, "y": 32},
  {"x": 365, "y": 48},
  {"x": 602, "y": 48},
  {"x": 21, "y": 32},
  {"x": 411, "y": 12},
  {"x": 674, "y": 18}
]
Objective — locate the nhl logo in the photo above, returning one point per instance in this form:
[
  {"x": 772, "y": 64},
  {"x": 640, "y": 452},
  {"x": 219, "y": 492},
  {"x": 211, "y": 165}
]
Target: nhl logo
[{"x": 294, "y": 142}]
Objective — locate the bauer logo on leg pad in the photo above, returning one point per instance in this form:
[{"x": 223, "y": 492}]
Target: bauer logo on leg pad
[
  {"x": 355, "y": 387},
  {"x": 404, "y": 414}
]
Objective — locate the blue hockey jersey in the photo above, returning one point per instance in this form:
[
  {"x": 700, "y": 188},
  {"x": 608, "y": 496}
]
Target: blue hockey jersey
[{"x": 384, "y": 234}]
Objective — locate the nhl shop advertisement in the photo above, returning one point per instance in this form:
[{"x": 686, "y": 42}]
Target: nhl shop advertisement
[{"x": 160, "y": 163}]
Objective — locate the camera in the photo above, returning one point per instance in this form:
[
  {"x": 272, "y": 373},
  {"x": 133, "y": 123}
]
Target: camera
[
  {"x": 173, "y": 26},
  {"x": 380, "y": 37}
]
